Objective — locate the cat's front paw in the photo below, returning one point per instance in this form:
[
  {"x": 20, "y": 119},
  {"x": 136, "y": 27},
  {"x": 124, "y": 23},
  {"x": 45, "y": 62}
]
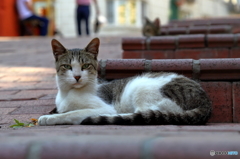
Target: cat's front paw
[{"x": 47, "y": 120}]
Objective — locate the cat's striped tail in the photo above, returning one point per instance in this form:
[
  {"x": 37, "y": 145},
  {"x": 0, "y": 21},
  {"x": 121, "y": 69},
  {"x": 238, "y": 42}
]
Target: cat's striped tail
[{"x": 197, "y": 116}]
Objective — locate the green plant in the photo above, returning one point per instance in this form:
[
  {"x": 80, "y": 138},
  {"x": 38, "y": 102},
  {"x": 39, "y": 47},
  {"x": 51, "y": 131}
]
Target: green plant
[{"x": 20, "y": 125}]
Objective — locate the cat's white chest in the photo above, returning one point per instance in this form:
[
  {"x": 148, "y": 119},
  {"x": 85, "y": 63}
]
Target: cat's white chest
[
  {"x": 76, "y": 99},
  {"x": 72, "y": 100}
]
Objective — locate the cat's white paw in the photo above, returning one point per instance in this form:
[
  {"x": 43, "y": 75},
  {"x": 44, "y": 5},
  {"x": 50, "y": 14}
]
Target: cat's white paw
[{"x": 47, "y": 120}]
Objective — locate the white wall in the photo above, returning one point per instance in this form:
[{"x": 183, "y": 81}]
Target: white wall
[
  {"x": 205, "y": 8},
  {"x": 158, "y": 8},
  {"x": 65, "y": 17}
]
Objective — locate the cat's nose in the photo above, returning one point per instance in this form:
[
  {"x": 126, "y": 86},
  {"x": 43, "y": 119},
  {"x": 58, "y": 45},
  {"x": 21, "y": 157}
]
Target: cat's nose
[{"x": 77, "y": 78}]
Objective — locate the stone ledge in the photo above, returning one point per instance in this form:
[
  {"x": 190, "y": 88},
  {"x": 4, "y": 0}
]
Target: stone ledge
[
  {"x": 218, "y": 29},
  {"x": 195, "y": 46},
  {"x": 209, "y": 69},
  {"x": 173, "y": 42},
  {"x": 187, "y": 146}
]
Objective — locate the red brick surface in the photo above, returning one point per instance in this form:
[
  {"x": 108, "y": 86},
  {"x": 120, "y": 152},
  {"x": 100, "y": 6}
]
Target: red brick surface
[
  {"x": 162, "y": 43},
  {"x": 26, "y": 103},
  {"x": 196, "y": 148},
  {"x": 191, "y": 41},
  {"x": 176, "y": 31},
  {"x": 199, "y": 30},
  {"x": 166, "y": 54},
  {"x": 201, "y": 53},
  {"x": 236, "y": 102},
  {"x": 217, "y": 29},
  {"x": 123, "y": 141},
  {"x": 195, "y": 46},
  {"x": 205, "y": 22},
  {"x": 220, "y": 94},
  {"x": 5, "y": 111},
  {"x": 33, "y": 110},
  {"x": 25, "y": 94},
  {"x": 202, "y": 29},
  {"x": 220, "y": 40},
  {"x": 237, "y": 39},
  {"x": 235, "y": 52},
  {"x": 209, "y": 69},
  {"x": 98, "y": 147},
  {"x": 132, "y": 55},
  {"x": 134, "y": 43},
  {"x": 213, "y": 69},
  {"x": 20, "y": 152},
  {"x": 121, "y": 69},
  {"x": 180, "y": 66}
]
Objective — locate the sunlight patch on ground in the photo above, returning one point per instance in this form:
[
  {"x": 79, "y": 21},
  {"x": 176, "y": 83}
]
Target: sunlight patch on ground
[
  {"x": 18, "y": 78},
  {"x": 8, "y": 70}
]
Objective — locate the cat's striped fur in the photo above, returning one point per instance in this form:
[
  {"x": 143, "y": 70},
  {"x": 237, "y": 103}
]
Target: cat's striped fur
[
  {"x": 186, "y": 93},
  {"x": 150, "y": 98}
]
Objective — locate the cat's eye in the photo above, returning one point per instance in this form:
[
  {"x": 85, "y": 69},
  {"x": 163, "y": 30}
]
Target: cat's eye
[
  {"x": 85, "y": 66},
  {"x": 67, "y": 67}
]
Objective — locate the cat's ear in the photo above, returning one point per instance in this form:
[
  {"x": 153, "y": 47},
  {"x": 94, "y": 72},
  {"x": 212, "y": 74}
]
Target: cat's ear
[
  {"x": 157, "y": 22},
  {"x": 58, "y": 49},
  {"x": 93, "y": 46}
]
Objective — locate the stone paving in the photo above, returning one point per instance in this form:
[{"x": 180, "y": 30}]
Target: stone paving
[{"x": 27, "y": 90}]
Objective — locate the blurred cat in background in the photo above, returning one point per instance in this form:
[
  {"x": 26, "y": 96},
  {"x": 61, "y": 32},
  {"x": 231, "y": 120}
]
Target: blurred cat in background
[{"x": 151, "y": 28}]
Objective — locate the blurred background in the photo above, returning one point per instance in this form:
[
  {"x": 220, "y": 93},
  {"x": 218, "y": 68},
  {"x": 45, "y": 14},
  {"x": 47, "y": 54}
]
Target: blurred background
[{"x": 117, "y": 17}]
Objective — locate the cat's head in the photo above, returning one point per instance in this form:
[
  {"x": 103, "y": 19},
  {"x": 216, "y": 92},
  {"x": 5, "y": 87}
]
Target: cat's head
[
  {"x": 151, "y": 28},
  {"x": 76, "y": 68}
]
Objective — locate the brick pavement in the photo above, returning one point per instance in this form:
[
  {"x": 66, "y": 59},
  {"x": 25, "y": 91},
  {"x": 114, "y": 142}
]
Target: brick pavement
[{"x": 27, "y": 90}]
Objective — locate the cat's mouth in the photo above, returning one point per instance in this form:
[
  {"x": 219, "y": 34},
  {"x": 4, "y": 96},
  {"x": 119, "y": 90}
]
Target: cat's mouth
[{"x": 78, "y": 84}]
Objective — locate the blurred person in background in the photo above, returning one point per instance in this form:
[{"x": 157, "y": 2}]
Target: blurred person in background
[
  {"x": 83, "y": 13},
  {"x": 174, "y": 9},
  {"x": 25, "y": 11}
]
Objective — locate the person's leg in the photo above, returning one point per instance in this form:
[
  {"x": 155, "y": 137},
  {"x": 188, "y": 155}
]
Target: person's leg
[
  {"x": 86, "y": 18},
  {"x": 79, "y": 18},
  {"x": 43, "y": 25}
]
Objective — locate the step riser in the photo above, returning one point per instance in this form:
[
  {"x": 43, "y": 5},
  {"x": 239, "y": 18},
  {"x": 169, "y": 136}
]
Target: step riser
[{"x": 183, "y": 46}]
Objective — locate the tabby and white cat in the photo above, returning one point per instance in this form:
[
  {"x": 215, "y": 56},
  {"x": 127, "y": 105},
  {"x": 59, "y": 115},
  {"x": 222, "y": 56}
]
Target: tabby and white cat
[
  {"x": 151, "y": 28},
  {"x": 147, "y": 99}
]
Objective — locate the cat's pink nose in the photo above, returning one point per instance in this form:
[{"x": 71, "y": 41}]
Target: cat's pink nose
[{"x": 77, "y": 78}]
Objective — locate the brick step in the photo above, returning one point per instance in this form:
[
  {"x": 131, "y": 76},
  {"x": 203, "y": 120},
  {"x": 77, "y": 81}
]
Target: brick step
[
  {"x": 220, "y": 78},
  {"x": 162, "y": 144},
  {"x": 193, "y": 46},
  {"x": 201, "y": 26},
  {"x": 217, "y": 29},
  {"x": 204, "y": 22}
]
